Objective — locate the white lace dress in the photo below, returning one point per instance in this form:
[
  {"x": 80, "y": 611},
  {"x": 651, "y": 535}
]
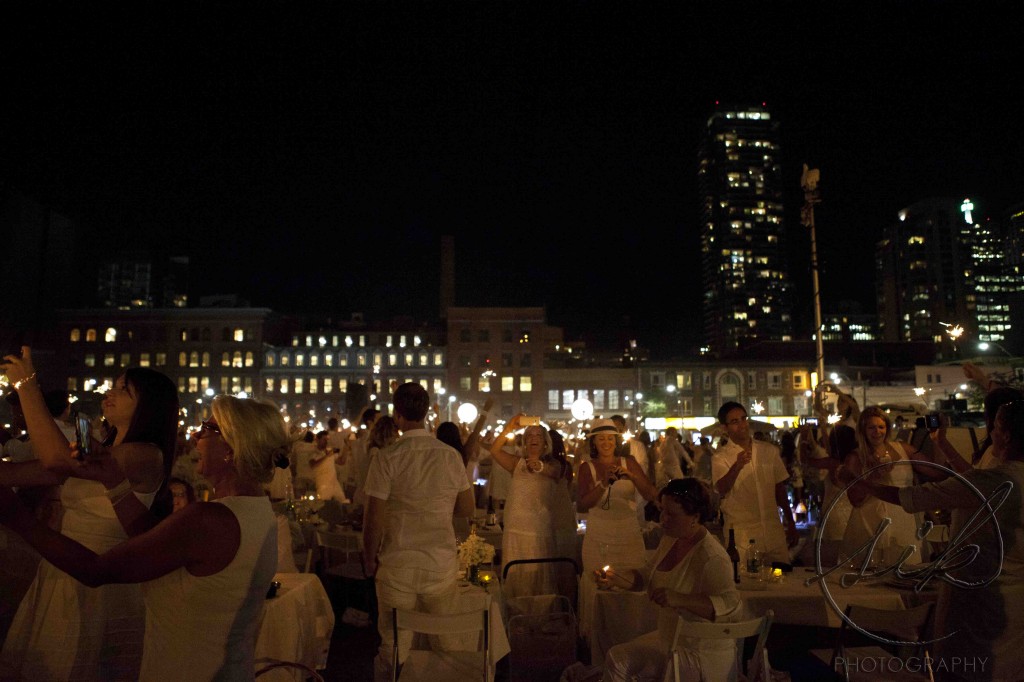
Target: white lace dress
[{"x": 528, "y": 533}]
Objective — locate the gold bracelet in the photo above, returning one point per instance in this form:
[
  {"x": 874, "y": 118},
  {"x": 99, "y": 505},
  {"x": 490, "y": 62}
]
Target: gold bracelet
[{"x": 21, "y": 382}]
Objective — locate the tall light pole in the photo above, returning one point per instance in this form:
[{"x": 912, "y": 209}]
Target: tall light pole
[{"x": 812, "y": 196}]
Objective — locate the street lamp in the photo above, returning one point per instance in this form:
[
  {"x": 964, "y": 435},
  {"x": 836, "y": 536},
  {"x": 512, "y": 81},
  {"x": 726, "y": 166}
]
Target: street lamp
[
  {"x": 812, "y": 196},
  {"x": 985, "y": 345}
]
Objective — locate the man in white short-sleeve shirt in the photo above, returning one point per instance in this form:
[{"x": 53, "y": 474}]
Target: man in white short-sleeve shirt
[
  {"x": 751, "y": 478},
  {"x": 412, "y": 489}
]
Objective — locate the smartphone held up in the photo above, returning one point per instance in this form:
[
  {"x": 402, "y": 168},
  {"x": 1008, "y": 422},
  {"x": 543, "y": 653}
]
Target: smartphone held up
[{"x": 83, "y": 436}]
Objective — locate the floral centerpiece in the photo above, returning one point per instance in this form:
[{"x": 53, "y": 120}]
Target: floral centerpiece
[{"x": 473, "y": 552}]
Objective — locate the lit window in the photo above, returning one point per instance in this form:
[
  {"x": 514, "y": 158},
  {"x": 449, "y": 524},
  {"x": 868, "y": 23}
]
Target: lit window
[
  {"x": 206, "y": 359},
  {"x": 484, "y": 384},
  {"x": 239, "y": 335},
  {"x": 313, "y": 385},
  {"x": 525, "y": 384},
  {"x": 110, "y": 336},
  {"x": 284, "y": 385},
  {"x": 329, "y": 384},
  {"x": 225, "y": 360},
  {"x": 314, "y": 360},
  {"x": 249, "y": 359},
  {"x": 76, "y": 335},
  {"x": 300, "y": 360},
  {"x": 182, "y": 359},
  {"x": 236, "y": 359},
  {"x": 144, "y": 360},
  {"x": 507, "y": 384},
  {"x": 90, "y": 335},
  {"x": 90, "y": 360},
  {"x": 126, "y": 359},
  {"x": 298, "y": 384}
]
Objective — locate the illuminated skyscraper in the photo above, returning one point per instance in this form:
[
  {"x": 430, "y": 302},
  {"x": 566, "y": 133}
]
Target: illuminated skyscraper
[
  {"x": 746, "y": 281},
  {"x": 924, "y": 271}
]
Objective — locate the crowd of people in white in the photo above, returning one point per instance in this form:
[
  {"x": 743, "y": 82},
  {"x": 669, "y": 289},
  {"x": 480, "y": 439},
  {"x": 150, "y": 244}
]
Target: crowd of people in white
[{"x": 150, "y": 518}]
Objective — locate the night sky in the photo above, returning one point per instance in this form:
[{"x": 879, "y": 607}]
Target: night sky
[{"x": 310, "y": 158}]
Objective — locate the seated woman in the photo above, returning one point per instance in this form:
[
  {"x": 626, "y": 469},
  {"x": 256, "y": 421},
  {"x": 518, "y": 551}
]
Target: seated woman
[
  {"x": 217, "y": 558},
  {"x": 690, "y": 575}
]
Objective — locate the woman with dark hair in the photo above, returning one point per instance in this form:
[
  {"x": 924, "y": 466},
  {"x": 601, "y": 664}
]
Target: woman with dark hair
[
  {"x": 448, "y": 433},
  {"x": 64, "y": 630},
  {"x": 607, "y": 490},
  {"x": 205, "y": 569},
  {"x": 982, "y": 617},
  {"x": 689, "y": 576}
]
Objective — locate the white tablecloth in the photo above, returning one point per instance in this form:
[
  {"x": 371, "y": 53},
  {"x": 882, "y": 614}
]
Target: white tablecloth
[
  {"x": 622, "y": 616},
  {"x": 296, "y": 626}
]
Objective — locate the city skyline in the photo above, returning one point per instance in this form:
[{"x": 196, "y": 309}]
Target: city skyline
[{"x": 312, "y": 163}]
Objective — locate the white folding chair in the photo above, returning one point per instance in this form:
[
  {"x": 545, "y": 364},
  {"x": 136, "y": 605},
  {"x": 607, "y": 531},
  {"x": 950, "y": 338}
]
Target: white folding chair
[
  {"x": 443, "y": 666},
  {"x": 348, "y": 546},
  {"x": 757, "y": 669},
  {"x": 902, "y": 625}
]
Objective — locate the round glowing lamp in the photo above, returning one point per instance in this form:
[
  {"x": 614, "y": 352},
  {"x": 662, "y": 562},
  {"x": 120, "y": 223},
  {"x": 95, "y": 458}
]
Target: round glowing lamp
[
  {"x": 467, "y": 412},
  {"x": 582, "y": 409}
]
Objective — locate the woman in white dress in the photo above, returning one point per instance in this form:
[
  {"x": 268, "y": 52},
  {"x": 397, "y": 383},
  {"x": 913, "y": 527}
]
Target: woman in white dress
[
  {"x": 528, "y": 523},
  {"x": 205, "y": 569},
  {"x": 64, "y": 630},
  {"x": 607, "y": 486},
  {"x": 690, "y": 576},
  {"x": 874, "y": 449}
]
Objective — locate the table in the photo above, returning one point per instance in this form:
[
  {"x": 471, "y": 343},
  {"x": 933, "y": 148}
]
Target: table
[
  {"x": 795, "y": 603},
  {"x": 296, "y": 626},
  {"x": 622, "y": 616}
]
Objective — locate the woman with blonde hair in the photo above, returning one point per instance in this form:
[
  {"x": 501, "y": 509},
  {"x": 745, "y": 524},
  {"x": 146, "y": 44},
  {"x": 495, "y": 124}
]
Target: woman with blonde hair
[
  {"x": 205, "y": 569},
  {"x": 529, "y": 530},
  {"x": 874, "y": 449}
]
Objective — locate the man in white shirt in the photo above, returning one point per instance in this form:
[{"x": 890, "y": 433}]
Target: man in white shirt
[
  {"x": 412, "y": 489},
  {"x": 751, "y": 478}
]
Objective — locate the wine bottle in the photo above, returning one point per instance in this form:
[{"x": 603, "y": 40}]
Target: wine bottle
[
  {"x": 492, "y": 517},
  {"x": 734, "y": 555}
]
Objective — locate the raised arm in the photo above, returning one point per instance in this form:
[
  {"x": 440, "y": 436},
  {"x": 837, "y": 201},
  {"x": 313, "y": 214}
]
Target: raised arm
[
  {"x": 473, "y": 440},
  {"x": 506, "y": 460},
  {"x": 48, "y": 443}
]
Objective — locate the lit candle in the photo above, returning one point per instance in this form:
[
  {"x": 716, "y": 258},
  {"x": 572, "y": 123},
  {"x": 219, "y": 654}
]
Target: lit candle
[
  {"x": 777, "y": 573},
  {"x": 604, "y": 571}
]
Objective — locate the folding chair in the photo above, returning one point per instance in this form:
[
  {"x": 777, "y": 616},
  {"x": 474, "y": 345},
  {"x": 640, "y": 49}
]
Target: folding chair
[
  {"x": 901, "y": 625},
  {"x": 349, "y": 572},
  {"x": 443, "y": 666},
  {"x": 757, "y": 669}
]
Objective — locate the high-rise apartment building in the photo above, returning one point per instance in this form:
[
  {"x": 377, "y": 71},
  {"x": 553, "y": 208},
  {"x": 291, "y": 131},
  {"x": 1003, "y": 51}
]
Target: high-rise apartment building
[
  {"x": 747, "y": 292},
  {"x": 924, "y": 272}
]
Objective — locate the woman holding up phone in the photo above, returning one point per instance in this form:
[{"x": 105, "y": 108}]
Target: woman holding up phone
[
  {"x": 205, "y": 569},
  {"x": 64, "y": 630},
  {"x": 529, "y": 531}
]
